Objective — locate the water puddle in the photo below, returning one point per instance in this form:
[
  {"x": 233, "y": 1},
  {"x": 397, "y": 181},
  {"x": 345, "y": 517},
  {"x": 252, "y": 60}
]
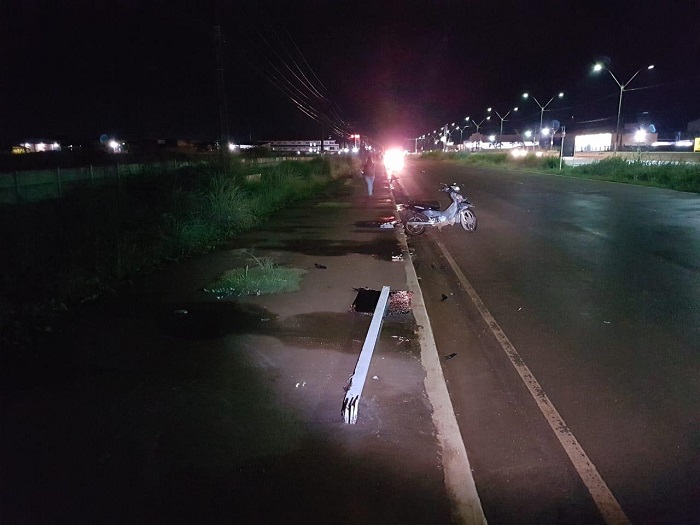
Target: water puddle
[{"x": 211, "y": 320}]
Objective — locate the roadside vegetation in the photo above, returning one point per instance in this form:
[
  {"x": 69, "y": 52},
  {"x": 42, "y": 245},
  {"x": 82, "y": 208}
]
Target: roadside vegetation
[
  {"x": 670, "y": 175},
  {"x": 260, "y": 276},
  {"x": 65, "y": 251}
]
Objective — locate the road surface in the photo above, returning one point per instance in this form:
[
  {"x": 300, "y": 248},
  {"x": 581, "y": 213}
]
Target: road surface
[{"x": 596, "y": 287}]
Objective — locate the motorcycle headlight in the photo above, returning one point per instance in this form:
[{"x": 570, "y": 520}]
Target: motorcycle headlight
[{"x": 393, "y": 160}]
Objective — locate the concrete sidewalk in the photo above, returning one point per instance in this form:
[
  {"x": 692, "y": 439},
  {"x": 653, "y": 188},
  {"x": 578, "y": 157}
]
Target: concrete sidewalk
[{"x": 232, "y": 410}]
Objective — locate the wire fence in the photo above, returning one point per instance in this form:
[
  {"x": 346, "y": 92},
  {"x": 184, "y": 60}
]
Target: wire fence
[
  {"x": 38, "y": 185},
  {"x": 54, "y": 183}
]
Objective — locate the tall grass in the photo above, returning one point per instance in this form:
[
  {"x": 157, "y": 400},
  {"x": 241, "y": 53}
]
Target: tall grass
[
  {"x": 483, "y": 159},
  {"x": 61, "y": 252},
  {"x": 670, "y": 175}
]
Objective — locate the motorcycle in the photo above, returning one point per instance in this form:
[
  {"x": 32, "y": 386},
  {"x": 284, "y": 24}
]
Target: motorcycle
[{"x": 419, "y": 215}]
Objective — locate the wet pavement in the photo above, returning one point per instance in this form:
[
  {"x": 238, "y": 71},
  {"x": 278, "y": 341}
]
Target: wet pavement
[{"x": 166, "y": 404}]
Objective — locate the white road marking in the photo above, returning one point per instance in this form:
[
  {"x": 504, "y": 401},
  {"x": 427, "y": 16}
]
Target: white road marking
[{"x": 603, "y": 497}]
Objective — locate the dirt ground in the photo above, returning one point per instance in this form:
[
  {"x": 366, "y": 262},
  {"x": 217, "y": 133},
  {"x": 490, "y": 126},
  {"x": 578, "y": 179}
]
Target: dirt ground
[{"x": 167, "y": 404}]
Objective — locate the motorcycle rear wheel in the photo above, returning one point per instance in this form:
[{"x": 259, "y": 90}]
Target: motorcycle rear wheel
[
  {"x": 414, "y": 230},
  {"x": 467, "y": 219}
]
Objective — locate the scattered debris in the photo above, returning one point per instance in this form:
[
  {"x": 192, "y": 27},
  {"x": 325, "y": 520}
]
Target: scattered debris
[
  {"x": 181, "y": 312},
  {"x": 399, "y": 302},
  {"x": 320, "y": 266},
  {"x": 375, "y": 377},
  {"x": 397, "y": 258},
  {"x": 448, "y": 357},
  {"x": 606, "y": 322},
  {"x": 445, "y": 297},
  {"x": 520, "y": 308},
  {"x": 300, "y": 384},
  {"x": 401, "y": 338}
]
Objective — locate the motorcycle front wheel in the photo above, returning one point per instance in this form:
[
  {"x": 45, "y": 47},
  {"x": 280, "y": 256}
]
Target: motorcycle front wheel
[
  {"x": 467, "y": 219},
  {"x": 414, "y": 230}
]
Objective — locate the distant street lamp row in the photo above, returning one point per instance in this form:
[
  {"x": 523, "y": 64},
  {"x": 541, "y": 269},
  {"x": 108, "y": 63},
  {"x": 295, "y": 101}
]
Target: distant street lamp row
[{"x": 597, "y": 67}]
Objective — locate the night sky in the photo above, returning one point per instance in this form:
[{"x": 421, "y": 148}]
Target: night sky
[{"x": 391, "y": 70}]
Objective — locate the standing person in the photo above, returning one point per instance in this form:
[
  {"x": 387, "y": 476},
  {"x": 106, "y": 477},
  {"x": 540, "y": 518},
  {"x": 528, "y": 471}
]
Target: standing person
[{"x": 369, "y": 171}]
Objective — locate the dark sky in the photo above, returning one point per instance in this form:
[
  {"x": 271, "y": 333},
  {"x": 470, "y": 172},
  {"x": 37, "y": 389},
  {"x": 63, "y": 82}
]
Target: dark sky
[{"x": 387, "y": 69}]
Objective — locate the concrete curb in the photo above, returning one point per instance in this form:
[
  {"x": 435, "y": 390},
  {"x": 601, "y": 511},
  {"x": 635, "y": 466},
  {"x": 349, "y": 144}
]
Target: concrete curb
[{"x": 459, "y": 481}]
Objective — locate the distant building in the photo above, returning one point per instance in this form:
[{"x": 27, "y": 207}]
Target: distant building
[
  {"x": 35, "y": 146},
  {"x": 694, "y": 127},
  {"x": 303, "y": 147}
]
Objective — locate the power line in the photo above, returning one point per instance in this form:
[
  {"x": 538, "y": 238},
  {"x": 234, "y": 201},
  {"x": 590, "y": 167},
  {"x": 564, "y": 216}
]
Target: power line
[{"x": 281, "y": 69}]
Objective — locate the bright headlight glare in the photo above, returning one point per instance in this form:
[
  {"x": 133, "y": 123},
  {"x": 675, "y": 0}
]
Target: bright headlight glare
[{"x": 394, "y": 160}]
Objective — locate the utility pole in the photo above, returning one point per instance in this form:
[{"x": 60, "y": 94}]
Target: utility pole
[
  {"x": 561, "y": 152},
  {"x": 223, "y": 112},
  {"x": 323, "y": 131}
]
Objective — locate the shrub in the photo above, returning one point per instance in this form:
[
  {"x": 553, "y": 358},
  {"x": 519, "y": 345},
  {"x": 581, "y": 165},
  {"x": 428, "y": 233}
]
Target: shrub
[{"x": 63, "y": 251}]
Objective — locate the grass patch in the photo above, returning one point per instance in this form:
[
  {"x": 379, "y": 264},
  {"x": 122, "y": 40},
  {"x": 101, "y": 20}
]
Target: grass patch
[
  {"x": 670, "y": 175},
  {"x": 263, "y": 277}
]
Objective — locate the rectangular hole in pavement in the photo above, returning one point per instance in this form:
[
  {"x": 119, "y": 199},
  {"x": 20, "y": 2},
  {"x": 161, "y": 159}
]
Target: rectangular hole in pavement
[{"x": 366, "y": 301}]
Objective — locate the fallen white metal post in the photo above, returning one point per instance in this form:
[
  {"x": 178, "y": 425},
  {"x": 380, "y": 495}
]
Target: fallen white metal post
[{"x": 358, "y": 377}]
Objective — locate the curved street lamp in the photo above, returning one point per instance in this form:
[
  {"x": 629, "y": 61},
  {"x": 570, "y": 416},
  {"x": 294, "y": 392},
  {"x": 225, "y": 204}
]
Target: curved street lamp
[
  {"x": 478, "y": 125},
  {"x": 543, "y": 107},
  {"x": 622, "y": 87},
  {"x": 503, "y": 118},
  {"x": 461, "y": 133}
]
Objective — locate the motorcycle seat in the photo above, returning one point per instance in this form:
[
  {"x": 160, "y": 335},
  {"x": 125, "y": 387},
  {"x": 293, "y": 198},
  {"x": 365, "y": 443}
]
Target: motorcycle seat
[{"x": 423, "y": 205}]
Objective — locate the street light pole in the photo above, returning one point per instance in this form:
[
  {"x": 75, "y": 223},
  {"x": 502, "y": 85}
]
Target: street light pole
[
  {"x": 561, "y": 151},
  {"x": 500, "y": 137},
  {"x": 622, "y": 87},
  {"x": 477, "y": 128},
  {"x": 542, "y": 108}
]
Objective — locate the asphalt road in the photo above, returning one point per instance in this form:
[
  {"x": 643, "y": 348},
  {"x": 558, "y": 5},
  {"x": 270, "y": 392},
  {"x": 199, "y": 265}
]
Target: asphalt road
[{"x": 597, "y": 287}]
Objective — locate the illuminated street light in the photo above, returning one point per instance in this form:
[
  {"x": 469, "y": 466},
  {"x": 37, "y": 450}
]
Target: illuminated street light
[
  {"x": 467, "y": 125},
  {"x": 622, "y": 87},
  {"x": 503, "y": 118},
  {"x": 543, "y": 107},
  {"x": 640, "y": 137},
  {"x": 478, "y": 126},
  {"x": 461, "y": 133}
]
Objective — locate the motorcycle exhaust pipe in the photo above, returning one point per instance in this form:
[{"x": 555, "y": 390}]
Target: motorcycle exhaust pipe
[{"x": 419, "y": 223}]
